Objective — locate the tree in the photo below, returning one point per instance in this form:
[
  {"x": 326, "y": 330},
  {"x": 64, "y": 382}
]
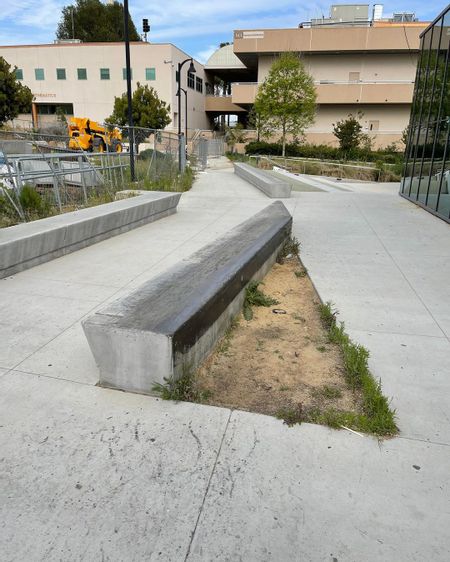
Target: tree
[
  {"x": 15, "y": 98},
  {"x": 349, "y": 132},
  {"x": 235, "y": 135},
  {"x": 149, "y": 112},
  {"x": 256, "y": 122},
  {"x": 405, "y": 135},
  {"x": 93, "y": 21},
  {"x": 286, "y": 100}
]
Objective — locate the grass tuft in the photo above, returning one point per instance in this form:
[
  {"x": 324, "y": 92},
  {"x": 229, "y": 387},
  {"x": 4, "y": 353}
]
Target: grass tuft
[
  {"x": 377, "y": 417},
  {"x": 182, "y": 389},
  {"x": 255, "y": 297},
  {"x": 291, "y": 415},
  {"x": 291, "y": 247}
]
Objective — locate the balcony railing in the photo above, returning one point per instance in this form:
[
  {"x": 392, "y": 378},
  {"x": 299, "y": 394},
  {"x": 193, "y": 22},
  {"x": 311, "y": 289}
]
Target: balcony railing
[{"x": 338, "y": 91}]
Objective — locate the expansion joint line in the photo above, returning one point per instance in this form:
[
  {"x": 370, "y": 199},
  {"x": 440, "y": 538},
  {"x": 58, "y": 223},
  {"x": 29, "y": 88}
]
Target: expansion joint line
[
  {"x": 207, "y": 487},
  {"x": 400, "y": 270}
]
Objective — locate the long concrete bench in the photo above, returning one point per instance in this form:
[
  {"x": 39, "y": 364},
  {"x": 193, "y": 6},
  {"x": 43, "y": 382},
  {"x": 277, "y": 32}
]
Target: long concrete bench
[
  {"x": 273, "y": 187},
  {"x": 29, "y": 244},
  {"x": 171, "y": 323}
]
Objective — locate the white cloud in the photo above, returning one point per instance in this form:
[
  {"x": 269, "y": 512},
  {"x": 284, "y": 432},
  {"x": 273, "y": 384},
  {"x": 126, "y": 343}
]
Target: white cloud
[{"x": 36, "y": 20}]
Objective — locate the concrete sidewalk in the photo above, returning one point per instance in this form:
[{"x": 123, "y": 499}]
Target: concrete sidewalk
[{"x": 94, "y": 474}]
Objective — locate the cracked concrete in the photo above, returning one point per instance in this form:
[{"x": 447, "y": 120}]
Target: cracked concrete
[{"x": 93, "y": 474}]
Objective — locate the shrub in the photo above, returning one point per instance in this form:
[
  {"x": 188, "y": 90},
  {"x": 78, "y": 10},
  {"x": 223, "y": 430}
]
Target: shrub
[
  {"x": 324, "y": 152},
  {"x": 32, "y": 203}
]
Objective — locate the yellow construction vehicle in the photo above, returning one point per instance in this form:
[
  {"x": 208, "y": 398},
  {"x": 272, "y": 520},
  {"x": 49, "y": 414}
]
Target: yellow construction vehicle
[{"x": 91, "y": 136}]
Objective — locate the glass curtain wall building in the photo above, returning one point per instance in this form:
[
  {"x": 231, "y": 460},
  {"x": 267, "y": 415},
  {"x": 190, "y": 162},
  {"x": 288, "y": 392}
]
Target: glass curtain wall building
[{"x": 426, "y": 174}]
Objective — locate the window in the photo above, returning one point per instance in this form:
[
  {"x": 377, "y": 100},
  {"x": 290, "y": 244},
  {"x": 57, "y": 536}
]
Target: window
[
  {"x": 150, "y": 74},
  {"x": 191, "y": 80},
  {"x": 199, "y": 84},
  {"x": 104, "y": 74},
  {"x": 353, "y": 76},
  {"x": 39, "y": 74},
  {"x": 82, "y": 73},
  {"x": 19, "y": 74},
  {"x": 124, "y": 73},
  {"x": 54, "y": 108},
  {"x": 60, "y": 73},
  {"x": 426, "y": 174}
]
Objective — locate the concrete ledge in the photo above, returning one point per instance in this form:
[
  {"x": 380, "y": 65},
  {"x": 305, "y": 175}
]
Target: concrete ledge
[
  {"x": 29, "y": 244},
  {"x": 171, "y": 323},
  {"x": 271, "y": 186}
]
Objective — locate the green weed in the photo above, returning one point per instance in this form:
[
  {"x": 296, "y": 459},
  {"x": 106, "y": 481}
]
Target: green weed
[
  {"x": 291, "y": 415},
  {"x": 291, "y": 247},
  {"x": 328, "y": 392},
  {"x": 301, "y": 273},
  {"x": 377, "y": 415},
  {"x": 182, "y": 389},
  {"x": 255, "y": 297}
]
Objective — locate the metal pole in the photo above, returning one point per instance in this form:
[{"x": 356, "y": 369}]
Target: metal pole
[
  {"x": 178, "y": 77},
  {"x": 185, "y": 117},
  {"x": 83, "y": 179},
  {"x": 130, "y": 108}
]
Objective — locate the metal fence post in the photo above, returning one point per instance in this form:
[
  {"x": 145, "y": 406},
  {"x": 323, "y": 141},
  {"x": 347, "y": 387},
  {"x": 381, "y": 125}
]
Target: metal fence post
[{"x": 83, "y": 179}]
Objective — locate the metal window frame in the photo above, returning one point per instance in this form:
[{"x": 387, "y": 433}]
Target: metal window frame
[
  {"x": 124, "y": 73},
  {"x": 420, "y": 117},
  {"x": 417, "y": 121},
  {"x": 439, "y": 119},
  {"x": 148, "y": 72},
  {"x": 36, "y": 70},
  {"x": 58, "y": 70},
  {"x": 429, "y": 115}
]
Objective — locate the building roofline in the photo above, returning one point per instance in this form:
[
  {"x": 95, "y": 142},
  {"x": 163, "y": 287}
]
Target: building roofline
[
  {"x": 385, "y": 24},
  {"x": 87, "y": 44},
  {"x": 429, "y": 26},
  {"x": 100, "y": 43}
]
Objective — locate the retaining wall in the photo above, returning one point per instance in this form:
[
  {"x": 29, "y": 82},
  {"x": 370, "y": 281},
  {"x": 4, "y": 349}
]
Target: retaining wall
[
  {"x": 29, "y": 244},
  {"x": 270, "y": 185},
  {"x": 171, "y": 323}
]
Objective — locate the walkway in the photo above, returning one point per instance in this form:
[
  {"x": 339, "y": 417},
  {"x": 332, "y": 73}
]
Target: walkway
[{"x": 94, "y": 474}]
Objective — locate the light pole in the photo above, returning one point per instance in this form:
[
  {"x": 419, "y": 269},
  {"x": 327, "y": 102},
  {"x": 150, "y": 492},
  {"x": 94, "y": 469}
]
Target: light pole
[
  {"x": 185, "y": 113},
  {"x": 129, "y": 99},
  {"x": 178, "y": 79}
]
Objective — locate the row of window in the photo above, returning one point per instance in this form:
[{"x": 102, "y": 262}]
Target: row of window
[
  {"x": 105, "y": 74},
  {"x": 194, "y": 82}
]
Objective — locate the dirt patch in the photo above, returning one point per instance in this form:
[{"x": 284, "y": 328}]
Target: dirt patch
[{"x": 279, "y": 361}]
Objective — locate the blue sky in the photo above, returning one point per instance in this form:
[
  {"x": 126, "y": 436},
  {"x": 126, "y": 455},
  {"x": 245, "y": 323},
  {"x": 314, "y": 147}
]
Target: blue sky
[{"x": 196, "y": 26}]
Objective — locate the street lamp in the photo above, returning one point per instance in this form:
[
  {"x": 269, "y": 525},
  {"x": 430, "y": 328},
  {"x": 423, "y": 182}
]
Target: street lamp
[
  {"x": 185, "y": 113},
  {"x": 178, "y": 78},
  {"x": 129, "y": 99}
]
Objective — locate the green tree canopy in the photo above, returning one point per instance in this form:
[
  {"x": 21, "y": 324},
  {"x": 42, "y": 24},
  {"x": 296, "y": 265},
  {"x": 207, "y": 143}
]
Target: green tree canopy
[
  {"x": 286, "y": 100},
  {"x": 349, "y": 132},
  {"x": 148, "y": 111},
  {"x": 94, "y": 21},
  {"x": 14, "y": 97}
]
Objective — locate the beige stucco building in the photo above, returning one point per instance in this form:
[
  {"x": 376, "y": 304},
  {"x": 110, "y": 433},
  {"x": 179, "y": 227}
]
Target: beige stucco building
[
  {"x": 366, "y": 66},
  {"x": 84, "y": 78}
]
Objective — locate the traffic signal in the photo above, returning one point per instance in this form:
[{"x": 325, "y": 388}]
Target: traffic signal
[{"x": 145, "y": 26}]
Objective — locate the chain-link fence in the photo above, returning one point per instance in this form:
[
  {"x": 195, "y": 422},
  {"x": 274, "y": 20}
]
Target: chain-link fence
[
  {"x": 82, "y": 166},
  {"x": 204, "y": 148}
]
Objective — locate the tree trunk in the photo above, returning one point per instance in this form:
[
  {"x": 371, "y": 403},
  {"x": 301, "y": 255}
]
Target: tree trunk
[{"x": 283, "y": 141}]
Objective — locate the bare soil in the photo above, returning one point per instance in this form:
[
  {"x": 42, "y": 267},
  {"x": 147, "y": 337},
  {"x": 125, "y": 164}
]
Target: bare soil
[{"x": 278, "y": 361}]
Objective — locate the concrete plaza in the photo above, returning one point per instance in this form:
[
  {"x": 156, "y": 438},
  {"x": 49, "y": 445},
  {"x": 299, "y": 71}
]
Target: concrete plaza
[{"x": 93, "y": 474}]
